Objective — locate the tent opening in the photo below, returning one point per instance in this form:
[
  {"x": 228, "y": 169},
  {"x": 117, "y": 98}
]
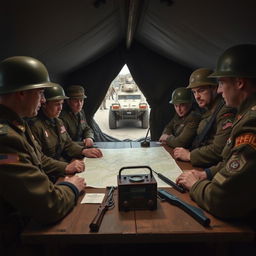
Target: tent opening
[{"x": 124, "y": 111}]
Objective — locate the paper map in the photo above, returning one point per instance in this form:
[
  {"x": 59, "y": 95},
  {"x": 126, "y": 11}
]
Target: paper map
[{"x": 102, "y": 172}]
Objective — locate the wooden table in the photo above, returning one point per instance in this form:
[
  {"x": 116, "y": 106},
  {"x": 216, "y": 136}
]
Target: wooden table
[{"x": 167, "y": 224}]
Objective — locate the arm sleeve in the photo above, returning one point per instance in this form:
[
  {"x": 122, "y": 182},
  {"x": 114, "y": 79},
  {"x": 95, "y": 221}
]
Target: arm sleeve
[
  {"x": 230, "y": 193},
  {"x": 210, "y": 154},
  {"x": 31, "y": 192},
  {"x": 185, "y": 138},
  {"x": 71, "y": 148},
  {"x": 88, "y": 132},
  {"x": 168, "y": 128},
  {"x": 52, "y": 167}
]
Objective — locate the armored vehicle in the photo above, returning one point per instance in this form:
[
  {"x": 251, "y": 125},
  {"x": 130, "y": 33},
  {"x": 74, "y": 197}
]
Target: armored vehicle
[{"x": 130, "y": 104}]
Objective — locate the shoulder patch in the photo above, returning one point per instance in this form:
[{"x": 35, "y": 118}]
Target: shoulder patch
[
  {"x": 227, "y": 114},
  {"x": 235, "y": 163},
  {"x": 253, "y": 108},
  {"x": 228, "y": 123},
  {"x": 246, "y": 139},
  {"x": 3, "y": 129},
  {"x": 9, "y": 158}
]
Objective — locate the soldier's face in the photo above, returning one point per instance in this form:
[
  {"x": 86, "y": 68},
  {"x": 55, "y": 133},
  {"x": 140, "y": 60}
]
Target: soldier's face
[
  {"x": 229, "y": 89},
  {"x": 204, "y": 95},
  {"x": 182, "y": 109},
  {"x": 76, "y": 104},
  {"x": 53, "y": 108},
  {"x": 32, "y": 102}
]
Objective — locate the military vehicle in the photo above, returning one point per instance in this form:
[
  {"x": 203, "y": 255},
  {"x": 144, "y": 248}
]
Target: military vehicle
[{"x": 130, "y": 104}]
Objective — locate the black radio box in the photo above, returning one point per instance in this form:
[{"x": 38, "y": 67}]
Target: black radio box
[{"x": 137, "y": 192}]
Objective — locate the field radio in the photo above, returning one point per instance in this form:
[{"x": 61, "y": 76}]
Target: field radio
[{"x": 136, "y": 192}]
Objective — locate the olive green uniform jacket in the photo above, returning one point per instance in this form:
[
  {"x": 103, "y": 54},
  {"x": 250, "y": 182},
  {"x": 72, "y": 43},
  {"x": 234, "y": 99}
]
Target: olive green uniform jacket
[
  {"x": 25, "y": 189},
  {"x": 53, "y": 138},
  {"x": 231, "y": 192},
  {"x": 209, "y": 153},
  {"x": 182, "y": 130},
  {"x": 76, "y": 125}
]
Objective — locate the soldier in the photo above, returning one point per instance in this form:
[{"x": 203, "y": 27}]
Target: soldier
[
  {"x": 215, "y": 126},
  {"x": 181, "y": 130},
  {"x": 228, "y": 189},
  {"x": 26, "y": 191},
  {"x": 51, "y": 133},
  {"x": 73, "y": 116}
]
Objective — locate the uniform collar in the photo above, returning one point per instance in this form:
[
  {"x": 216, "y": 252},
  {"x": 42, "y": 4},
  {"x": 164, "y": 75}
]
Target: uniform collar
[
  {"x": 215, "y": 103},
  {"x": 211, "y": 108},
  {"x": 12, "y": 118},
  {"x": 249, "y": 103},
  {"x": 48, "y": 120}
]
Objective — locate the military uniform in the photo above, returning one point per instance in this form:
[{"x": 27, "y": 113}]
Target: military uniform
[
  {"x": 53, "y": 138},
  {"x": 209, "y": 153},
  {"x": 231, "y": 192},
  {"x": 76, "y": 125},
  {"x": 25, "y": 189},
  {"x": 182, "y": 130}
]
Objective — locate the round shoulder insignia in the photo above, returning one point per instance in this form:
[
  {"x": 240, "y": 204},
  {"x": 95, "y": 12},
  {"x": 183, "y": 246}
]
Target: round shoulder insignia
[
  {"x": 253, "y": 108},
  {"x": 234, "y": 165},
  {"x": 1, "y": 126}
]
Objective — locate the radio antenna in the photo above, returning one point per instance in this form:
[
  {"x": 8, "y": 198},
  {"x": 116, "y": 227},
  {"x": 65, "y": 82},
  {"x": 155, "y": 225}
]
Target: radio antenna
[{"x": 145, "y": 142}]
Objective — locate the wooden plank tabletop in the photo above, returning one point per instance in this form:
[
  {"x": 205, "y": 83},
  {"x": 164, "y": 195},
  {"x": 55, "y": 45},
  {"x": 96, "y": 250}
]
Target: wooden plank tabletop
[{"x": 166, "y": 224}]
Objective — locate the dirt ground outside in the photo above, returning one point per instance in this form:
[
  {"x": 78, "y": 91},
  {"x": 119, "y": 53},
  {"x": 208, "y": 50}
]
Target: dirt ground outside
[{"x": 126, "y": 129}]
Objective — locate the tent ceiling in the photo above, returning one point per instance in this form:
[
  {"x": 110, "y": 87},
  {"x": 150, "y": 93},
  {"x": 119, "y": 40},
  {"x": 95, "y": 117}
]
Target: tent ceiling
[{"x": 66, "y": 34}]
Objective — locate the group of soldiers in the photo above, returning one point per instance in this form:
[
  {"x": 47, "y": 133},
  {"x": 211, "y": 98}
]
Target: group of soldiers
[
  {"x": 214, "y": 128},
  {"x": 40, "y": 142},
  {"x": 220, "y": 137},
  {"x": 199, "y": 130}
]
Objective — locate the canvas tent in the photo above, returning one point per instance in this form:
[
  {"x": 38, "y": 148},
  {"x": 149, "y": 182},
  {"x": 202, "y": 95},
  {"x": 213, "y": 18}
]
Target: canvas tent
[{"x": 87, "y": 42}]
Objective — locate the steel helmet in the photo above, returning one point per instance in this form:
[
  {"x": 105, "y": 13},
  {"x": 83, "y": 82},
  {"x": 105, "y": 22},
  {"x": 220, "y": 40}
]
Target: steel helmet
[
  {"x": 200, "y": 78},
  {"x": 181, "y": 95},
  {"x": 76, "y": 92},
  {"x": 237, "y": 61},
  {"x": 55, "y": 92},
  {"x": 20, "y": 73}
]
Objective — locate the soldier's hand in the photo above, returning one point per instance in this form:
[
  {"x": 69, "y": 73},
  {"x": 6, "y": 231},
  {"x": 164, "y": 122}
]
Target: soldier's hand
[
  {"x": 75, "y": 166},
  {"x": 76, "y": 181},
  {"x": 187, "y": 179},
  {"x": 182, "y": 154},
  {"x": 88, "y": 142},
  {"x": 164, "y": 138},
  {"x": 201, "y": 175},
  {"x": 92, "y": 152}
]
